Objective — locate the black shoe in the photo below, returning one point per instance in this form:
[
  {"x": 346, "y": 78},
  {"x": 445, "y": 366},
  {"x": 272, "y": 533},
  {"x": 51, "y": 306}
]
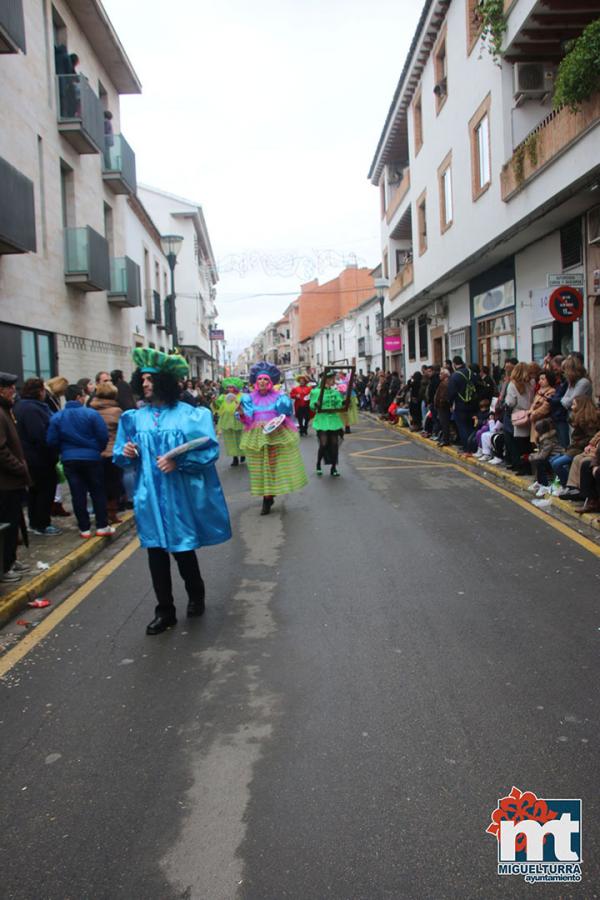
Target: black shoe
[
  {"x": 242, "y": 459},
  {"x": 347, "y": 430},
  {"x": 266, "y": 506},
  {"x": 160, "y": 623},
  {"x": 195, "y": 608},
  {"x": 235, "y": 462}
]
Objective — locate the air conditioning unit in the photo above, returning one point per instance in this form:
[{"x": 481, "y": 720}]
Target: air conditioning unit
[
  {"x": 438, "y": 309},
  {"x": 593, "y": 225},
  {"x": 532, "y": 81}
]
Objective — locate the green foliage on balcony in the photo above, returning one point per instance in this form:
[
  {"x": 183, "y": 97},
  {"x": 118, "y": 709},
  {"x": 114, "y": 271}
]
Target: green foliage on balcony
[{"x": 579, "y": 73}]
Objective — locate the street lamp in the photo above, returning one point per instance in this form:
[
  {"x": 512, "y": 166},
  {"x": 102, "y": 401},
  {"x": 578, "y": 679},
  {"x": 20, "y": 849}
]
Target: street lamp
[
  {"x": 170, "y": 245},
  {"x": 380, "y": 285}
]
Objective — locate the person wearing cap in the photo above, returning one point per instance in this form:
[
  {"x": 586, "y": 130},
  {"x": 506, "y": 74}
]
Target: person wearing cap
[
  {"x": 300, "y": 395},
  {"x": 14, "y": 477},
  {"x": 226, "y": 406},
  {"x": 273, "y": 455},
  {"x": 178, "y": 503},
  {"x": 326, "y": 401}
]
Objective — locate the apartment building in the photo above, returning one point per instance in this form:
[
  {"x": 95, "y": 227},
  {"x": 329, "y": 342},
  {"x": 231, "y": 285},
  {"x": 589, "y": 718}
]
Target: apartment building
[
  {"x": 66, "y": 170},
  {"x": 489, "y": 198},
  {"x": 189, "y": 321}
]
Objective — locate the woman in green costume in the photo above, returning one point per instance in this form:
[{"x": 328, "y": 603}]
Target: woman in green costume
[
  {"x": 230, "y": 426},
  {"x": 327, "y": 402}
]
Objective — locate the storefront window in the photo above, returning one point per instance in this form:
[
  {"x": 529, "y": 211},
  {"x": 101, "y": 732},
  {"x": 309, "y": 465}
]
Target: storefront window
[
  {"x": 542, "y": 341},
  {"x": 496, "y": 339},
  {"x": 28, "y": 355}
]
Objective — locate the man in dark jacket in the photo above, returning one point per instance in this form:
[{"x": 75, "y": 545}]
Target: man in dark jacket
[
  {"x": 33, "y": 417},
  {"x": 462, "y": 393},
  {"x": 125, "y": 397},
  {"x": 81, "y": 435},
  {"x": 14, "y": 477}
]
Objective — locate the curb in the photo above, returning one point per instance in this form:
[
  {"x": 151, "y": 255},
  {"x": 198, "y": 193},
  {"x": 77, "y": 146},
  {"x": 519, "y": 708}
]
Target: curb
[
  {"x": 18, "y": 599},
  {"x": 592, "y": 520}
]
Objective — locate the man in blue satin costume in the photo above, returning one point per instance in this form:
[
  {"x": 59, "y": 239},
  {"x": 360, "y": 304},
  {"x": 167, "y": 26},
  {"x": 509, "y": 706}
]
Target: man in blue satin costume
[{"x": 178, "y": 502}]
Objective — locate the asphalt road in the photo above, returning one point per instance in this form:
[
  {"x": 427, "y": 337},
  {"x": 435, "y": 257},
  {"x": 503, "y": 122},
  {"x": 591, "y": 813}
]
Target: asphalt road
[{"x": 382, "y": 658}]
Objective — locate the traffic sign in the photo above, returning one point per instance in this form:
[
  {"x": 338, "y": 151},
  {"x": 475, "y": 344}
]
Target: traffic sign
[
  {"x": 216, "y": 334},
  {"x": 575, "y": 279},
  {"x": 566, "y": 304}
]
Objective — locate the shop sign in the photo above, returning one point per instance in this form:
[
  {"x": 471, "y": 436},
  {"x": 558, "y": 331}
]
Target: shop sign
[
  {"x": 216, "y": 334},
  {"x": 575, "y": 279},
  {"x": 500, "y": 297},
  {"x": 393, "y": 343},
  {"x": 566, "y": 304}
]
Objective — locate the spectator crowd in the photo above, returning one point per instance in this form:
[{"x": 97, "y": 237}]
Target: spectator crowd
[{"x": 538, "y": 420}]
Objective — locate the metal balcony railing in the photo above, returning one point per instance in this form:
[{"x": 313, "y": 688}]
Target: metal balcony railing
[
  {"x": 17, "y": 211},
  {"x": 118, "y": 169},
  {"x": 87, "y": 264},
  {"x": 12, "y": 26},
  {"x": 125, "y": 283},
  {"x": 80, "y": 114}
]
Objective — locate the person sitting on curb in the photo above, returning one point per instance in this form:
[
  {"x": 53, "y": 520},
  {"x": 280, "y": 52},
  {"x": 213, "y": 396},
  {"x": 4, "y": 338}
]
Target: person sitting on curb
[
  {"x": 585, "y": 419},
  {"x": 14, "y": 477},
  {"x": 81, "y": 435},
  {"x": 547, "y": 449},
  {"x": 573, "y": 489},
  {"x": 590, "y": 484}
]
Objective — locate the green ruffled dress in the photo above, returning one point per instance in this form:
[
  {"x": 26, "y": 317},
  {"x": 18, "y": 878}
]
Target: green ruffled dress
[
  {"x": 332, "y": 400},
  {"x": 226, "y": 405}
]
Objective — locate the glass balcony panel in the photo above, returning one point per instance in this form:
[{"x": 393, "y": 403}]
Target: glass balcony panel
[
  {"x": 12, "y": 26},
  {"x": 119, "y": 165},
  {"x": 124, "y": 282},
  {"x": 80, "y": 114},
  {"x": 17, "y": 211},
  {"x": 86, "y": 259}
]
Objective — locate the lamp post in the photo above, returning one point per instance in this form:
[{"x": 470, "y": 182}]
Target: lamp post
[
  {"x": 171, "y": 245},
  {"x": 380, "y": 285}
]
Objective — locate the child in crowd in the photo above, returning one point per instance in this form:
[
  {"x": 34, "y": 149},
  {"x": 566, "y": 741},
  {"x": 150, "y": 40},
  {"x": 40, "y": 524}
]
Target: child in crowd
[
  {"x": 397, "y": 410},
  {"x": 548, "y": 448}
]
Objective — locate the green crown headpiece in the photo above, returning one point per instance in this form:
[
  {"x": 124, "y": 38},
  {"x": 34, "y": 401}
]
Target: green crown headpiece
[
  {"x": 233, "y": 381},
  {"x": 147, "y": 359}
]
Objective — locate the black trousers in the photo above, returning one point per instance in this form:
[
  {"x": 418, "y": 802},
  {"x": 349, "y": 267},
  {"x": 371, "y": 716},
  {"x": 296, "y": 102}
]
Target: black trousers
[
  {"x": 329, "y": 442},
  {"x": 10, "y": 514},
  {"x": 589, "y": 484},
  {"x": 40, "y": 495},
  {"x": 87, "y": 475},
  {"x": 444, "y": 420},
  {"x": 303, "y": 417},
  {"x": 160, "y": 570}
]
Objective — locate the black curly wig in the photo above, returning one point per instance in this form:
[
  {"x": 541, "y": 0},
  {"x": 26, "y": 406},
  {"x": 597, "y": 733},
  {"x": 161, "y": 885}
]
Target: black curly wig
[{"x": 166, "y": 387}]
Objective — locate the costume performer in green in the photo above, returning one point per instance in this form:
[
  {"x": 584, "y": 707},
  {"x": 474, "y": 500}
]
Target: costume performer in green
[
  {"x": 328, "y": 422},
  {"x": 229, "y": 425}
]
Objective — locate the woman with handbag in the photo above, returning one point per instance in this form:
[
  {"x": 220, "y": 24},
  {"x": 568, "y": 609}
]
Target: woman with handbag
[{"x": 519, "y": 397}]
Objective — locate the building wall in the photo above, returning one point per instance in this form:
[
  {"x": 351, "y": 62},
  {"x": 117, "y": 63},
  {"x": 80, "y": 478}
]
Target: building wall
[{"x": 33, "y": 292}]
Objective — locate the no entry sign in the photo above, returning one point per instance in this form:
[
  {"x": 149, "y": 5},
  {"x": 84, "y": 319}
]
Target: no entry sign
[{"x": 566, "y": 304}]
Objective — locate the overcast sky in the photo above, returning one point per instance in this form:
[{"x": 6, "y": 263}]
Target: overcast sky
[{"x": 267, "y": 113}]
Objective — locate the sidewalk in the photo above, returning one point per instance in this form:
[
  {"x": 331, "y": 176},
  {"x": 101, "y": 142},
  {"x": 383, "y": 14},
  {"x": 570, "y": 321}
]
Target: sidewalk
[
  {"x": 52, "y": 559},
  {"x": 592, "y": 520}
]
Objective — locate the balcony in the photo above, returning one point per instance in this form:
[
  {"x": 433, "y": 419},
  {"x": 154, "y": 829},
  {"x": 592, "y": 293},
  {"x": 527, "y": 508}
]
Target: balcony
[
  {"x": 17, "y": 211},
  {"x": 87, "y": 265},
  {"x": 547, "y": 142},
  {"x": 398, "y": 195},
  {"x": 118, "y": 170},
  {"x": 12, "y": 26},
  {"x": 80, "y": 114},
  {"x": 125, "y": 288},
  {"x": 404, "y": 277}
]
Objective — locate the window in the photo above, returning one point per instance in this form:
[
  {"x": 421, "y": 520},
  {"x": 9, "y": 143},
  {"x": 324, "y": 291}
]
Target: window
[
  {"x": 36, "y": 355},
  {"x": 440, "y": 65},
  {"x": 340, "y": 340},
  {"x": 445, "y": 189},
  {"x": 422, "y": 222},
  {"x": 423, "y": 337},
  {"x": 382, "y": 196},
  {"x": 67, "y": 194},
  {"x": 412, "y": 353},
  {"x": 571, "y": 246},
  {"x": 474, "y": 23},
  {"x": 496, "y": 339},
  {"x": 386, "y": 267},
  {"x": 367, "y": 326},
  {"x": 418, "y": 121},
  {"x": 479, "y": 130}
]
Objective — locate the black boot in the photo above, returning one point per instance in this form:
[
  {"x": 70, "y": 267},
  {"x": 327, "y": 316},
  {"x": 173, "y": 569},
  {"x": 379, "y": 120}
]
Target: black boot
[
  {"x": 195, "y": 608},
  {"x": 347, "y": 430},
  {"x": 242, "y": 459},
  {"x": 235, "y": 462},
  {"x": 161, "y": 622},
  {"x": 266, "y": 505}
]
